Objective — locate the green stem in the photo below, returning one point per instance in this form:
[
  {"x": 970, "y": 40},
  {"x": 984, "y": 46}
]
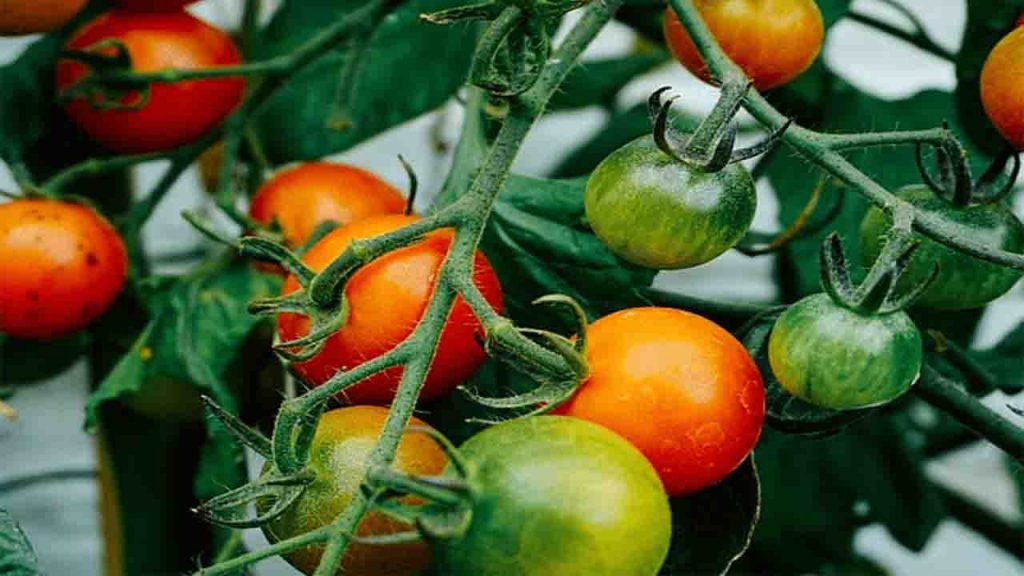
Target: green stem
[
  {"x": 916, "y": 38},
  {"x": 43, "y": 477},
  {"x": 237, "y": 563},
  {"x": 971, "y": 412},
  {"x": 839, "y": 142},
  {"x": 1003, "y": 534},
  {"x": 822, "y": 149},
  {"x": 250, "y": 26}
]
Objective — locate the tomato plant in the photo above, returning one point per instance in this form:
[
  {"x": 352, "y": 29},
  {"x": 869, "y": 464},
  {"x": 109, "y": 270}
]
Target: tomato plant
[
  {"x": 64, "y": 265},
  {"x": 34, "y": 16},
  {"x": 655, "y": 211},
  {"x": 404, "y": 280},
  {"x": 773, "y": 41},
  {"x": 155, "y": 119},
  {"x": 1001, "y": 95},
  {"x": 341, "y": 447},
  {"x": 962, "y": 282},
  {"x": 658, "y": 373},
  {"x": 300, "y": 198},
  {"x": 539, "y": 481}
]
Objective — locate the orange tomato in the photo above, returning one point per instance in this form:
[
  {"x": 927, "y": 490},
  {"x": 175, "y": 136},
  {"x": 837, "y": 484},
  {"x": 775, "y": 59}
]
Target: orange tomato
[
  {"x": 302, "y": 197},
  {"x": 683, "y": 390},
  {"x": 773, "y": 41},
  {"x": 63, "y": 266},
  {"x": 1002, "y": 92},
  {"x": 176, "y": 113},
  {"x": 35, "y": 16},
  {"x": 341, "y": 446},
  {"x": 386, "y": 299}
]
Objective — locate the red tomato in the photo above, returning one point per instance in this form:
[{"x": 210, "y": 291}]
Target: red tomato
[
  {"x": 1002, "y": 92},
  {"x": 63, "y": 266},
  {"x": 153, "y": 5},
  {"x": 386, "y": 300},
  {"x": 773, "y": 41},
  {"x": 302, "y": 197},
  {"x": 175, "y": 114},
  {"x": 35, "y": 16},
  {"x": 679, "y": 387}
]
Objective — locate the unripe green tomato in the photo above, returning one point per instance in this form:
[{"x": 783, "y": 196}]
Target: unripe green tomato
[
  {"x": 963, "y": 281},
  {"x": 558, "y": 496},
  {"x": 834, "y": 357},
  {"x": 654, "y": 211}
]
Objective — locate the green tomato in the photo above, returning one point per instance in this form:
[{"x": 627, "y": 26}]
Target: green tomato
[
  {"x": 963, "y": 281},
  {"x": 834, "y": 357},
  {"x": 558, "y": 495},
  {"x": 655, "y": 211}
]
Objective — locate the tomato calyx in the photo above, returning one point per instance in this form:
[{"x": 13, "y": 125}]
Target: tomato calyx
[
  {"x": 955, "y": 182},
  {"x": 877, "y": 293},
  {"x": 711, "y": 147},
  {"x": 558, "y": 364},
  {"x": 104, "y": 86},
  {"x": 516, "y": 44}
]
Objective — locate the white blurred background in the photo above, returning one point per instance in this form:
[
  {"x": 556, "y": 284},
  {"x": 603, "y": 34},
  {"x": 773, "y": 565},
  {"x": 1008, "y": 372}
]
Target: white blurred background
[{"x": 62, "y": 519}]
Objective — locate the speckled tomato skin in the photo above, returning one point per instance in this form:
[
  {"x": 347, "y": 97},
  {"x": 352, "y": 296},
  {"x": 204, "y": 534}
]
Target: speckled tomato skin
[
  {"x": 1002, "y": 92},
  {"x": 654, "y": 211},
  {"x": 556, "y": 496},
  {"x": 342, "y": 444},
  {"x": 679, "y": 387},
  {"x": 773, "y": 41},
  {"x": 836, "y": 358},
  {"x": 386, "y": 299},
  {"x": 963, "y": 281},
  {"x": 63, "y": 266},
  {"x": 176, "y": 113},
  {"x": 302, "y": 197}
]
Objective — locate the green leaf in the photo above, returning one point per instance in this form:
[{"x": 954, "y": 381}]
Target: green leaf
[
  {"x": 27, "y": 361},
  {"x": 712, "y": 528},
  {"x": 598, "y": 82},
  {"x": 17, "y": 558},
  {"x": 832, "y": 11},
  {"x": 988, "y": 21},
  {"x": 409, "y": 67},
  {"x": 1005, "y": 361},
  {"x": 847, "y": 110},
  {"x": 538, "y": 245}
]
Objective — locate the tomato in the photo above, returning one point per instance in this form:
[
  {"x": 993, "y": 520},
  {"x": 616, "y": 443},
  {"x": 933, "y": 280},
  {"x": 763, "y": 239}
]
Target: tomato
[
  {"x": 63, "y": 266},
  {"x": 1002, "y": 93},
  {"x": 676, "y": 385},
  {"x": 175, "y": 114},
  {"x": 35, "y": 16},
  {"x": 386, "y": 299},
  {"x": 302, "y": 197},
  {"x": 558, "y": 495},
  {"x": 655, "y": 211},
  {"x": 837, "y": 358},
  {"x": 963, "y": 281},
  {"x": 773, "y": 41},
  {"x": 153, "y": 5},
  {"x": 341, "y": 446}
]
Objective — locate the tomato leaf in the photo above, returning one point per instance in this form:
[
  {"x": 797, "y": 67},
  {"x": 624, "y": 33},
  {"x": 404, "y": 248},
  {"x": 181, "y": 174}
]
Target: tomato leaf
[
  {"x": 538, "y": 245},
  {"x": 598, "y": 82},
  {"x": 17, "y": 558},
  {"x": 988, "y": 21},
  {"x": 409, "y": 67},
  {"x": 1005, "y": 361},
  {"x": 832, "y": 11},
  {"x": 712, "y": 528}
]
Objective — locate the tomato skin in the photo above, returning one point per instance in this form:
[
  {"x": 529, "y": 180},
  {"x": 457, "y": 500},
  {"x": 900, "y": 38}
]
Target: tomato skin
[
  {"x": 153, "y": 5},
  {"x": 963, "y": 281},
  {"x": 679, "y": 387},
  {"x": 157, "y": 41},
  {"x": 559, "y": 495},
  {"x": 773, "y": 41},
  {"x": 654, "y": 211},
  {"x": 34, "y": 16},
  {"x": 1002, "y": 93},
  {"x": 341, "y": 446},
  {"x": 302, "y": 197},
  {"x": 836, "y": 358},
  {"x": 63, "y": 266},
  {"x": 387, "y": 298}
]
